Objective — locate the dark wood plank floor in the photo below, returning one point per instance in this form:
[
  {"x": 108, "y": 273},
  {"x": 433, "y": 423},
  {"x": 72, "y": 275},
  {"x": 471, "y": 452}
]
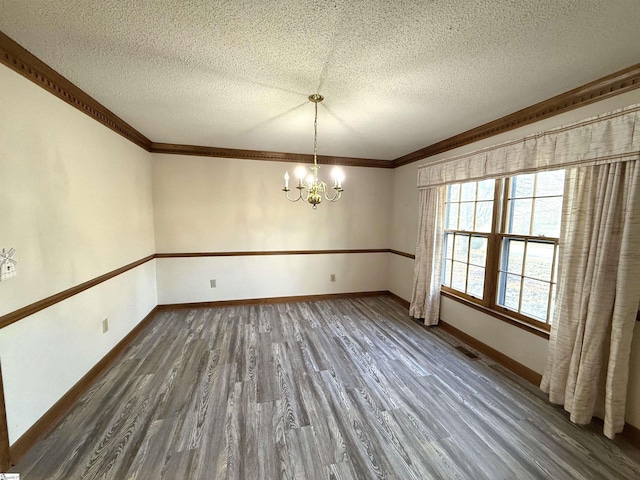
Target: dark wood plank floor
[{"x": 336, "y": 389}]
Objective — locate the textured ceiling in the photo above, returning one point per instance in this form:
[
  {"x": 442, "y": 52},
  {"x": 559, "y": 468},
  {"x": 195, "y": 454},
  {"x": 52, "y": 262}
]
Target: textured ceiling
[{"x": 397, "y": 75}]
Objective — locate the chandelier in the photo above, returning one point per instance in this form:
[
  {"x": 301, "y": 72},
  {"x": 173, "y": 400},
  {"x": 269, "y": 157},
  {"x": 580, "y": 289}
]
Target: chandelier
[{"x": 310, "y": 189}]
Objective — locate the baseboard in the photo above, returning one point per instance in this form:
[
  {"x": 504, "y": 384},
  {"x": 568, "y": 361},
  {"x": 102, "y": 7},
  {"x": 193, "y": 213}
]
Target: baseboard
[
  {"x": 5, "y": 456},
  {"x": 507, "y": 362},
  {"x": 50, "y": 419},
  {"x": 264, "y": 301},
  {"x": 400, "y": 300}
]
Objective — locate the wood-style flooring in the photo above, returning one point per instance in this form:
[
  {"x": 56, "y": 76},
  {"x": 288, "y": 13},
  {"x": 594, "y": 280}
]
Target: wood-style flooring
[{"x": 336, "y": 389}]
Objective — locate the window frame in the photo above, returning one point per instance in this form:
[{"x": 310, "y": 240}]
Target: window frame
[{"x": 495, "y": 240}]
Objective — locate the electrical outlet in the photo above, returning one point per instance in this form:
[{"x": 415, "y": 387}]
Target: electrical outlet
[
  {"x": 212, "y": 283},
  {"x": 333, "y": 277},
  {"x": 105, "y": 325}
]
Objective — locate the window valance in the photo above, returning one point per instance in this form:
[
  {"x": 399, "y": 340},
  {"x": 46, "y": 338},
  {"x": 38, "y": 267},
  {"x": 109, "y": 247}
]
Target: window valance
[{"x": 607, "y": 138}]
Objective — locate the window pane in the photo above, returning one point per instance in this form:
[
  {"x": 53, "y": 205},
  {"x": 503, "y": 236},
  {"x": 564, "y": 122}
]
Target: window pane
[
  {"x": 535, "y": 299},
  {"x": 513, "y": 255},
  {"x": 478, "y": 251},
  {"x": 468, "y": 192},
  {"x": 446, "y": 273},
  {"x": 550, "y": 183},
  {"x": 539, "y": 260},
  {"x": 475, "y": 285},
  {"x": 453, "y": 193},
  {"x": 466, "y": 216},
  {"x": 461, "y": 248},
  {"x": 546, "y": 217},
  {"x": 511, "y": 291},
  {"x": 520, "y": 216},
  {"x": 484, "y": 214},
  {"x": 451, "y": 221},
  {"x": 451, "y": 218},
  {"x": 486, "y": 189},
  {"x": 522, "y": 186},
  {"x": 458, "y": 280},
  {"x": 448, "y": 245}
]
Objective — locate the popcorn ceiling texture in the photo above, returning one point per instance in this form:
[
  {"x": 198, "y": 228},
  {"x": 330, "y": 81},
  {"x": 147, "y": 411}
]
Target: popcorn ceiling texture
[{"x": 397, "y": 75}]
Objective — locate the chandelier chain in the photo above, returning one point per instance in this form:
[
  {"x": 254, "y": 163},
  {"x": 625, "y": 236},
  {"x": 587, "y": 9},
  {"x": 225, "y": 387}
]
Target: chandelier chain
[{"x": 315, "y": 135}]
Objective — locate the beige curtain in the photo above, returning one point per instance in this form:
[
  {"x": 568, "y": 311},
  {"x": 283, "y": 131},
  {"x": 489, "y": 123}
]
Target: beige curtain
[
  {"x": 608, "y": 138},
  {"x": 598, "y": 293},
  {"x": 425, "y": 298}
]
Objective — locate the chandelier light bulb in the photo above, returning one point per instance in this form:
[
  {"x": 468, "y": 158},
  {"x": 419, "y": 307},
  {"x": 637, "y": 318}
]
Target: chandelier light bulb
[
  {"x": 301, "y": 172},
  {"x": 337, "y": 176}
]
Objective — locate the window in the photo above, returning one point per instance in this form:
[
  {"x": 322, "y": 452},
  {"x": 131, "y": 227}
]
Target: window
[
  {"x": 468, "y": 221},
  {"x": 501, "y": 244}
]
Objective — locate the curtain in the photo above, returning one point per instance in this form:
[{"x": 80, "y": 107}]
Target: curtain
[
  {"x": 608, "y": 138},
  {"x": 425, "y": 298},
  {"x": 598, "y": 293}
]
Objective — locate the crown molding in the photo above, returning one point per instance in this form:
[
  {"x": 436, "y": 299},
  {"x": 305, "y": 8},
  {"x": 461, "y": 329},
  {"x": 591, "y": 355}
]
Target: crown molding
[
  {"x": 202, "y": 151},
  {"x": 18, "y": 59},
  {"x": 605, "y": 87},
  {"x": 29, "y": 66}
]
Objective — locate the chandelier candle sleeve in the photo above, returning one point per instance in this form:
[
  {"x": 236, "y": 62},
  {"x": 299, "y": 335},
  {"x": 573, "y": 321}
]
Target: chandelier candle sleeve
[{"x": 311, "y": 189}]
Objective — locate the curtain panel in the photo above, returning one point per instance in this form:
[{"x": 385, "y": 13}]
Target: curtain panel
[
  {"x": 425, "y": 297},
  {"x": 607, "y": 138},
  {"x": 587, "y": 367}
]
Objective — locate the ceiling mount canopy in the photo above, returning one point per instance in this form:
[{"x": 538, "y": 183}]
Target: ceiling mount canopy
[{"x": 310, "y": 189}]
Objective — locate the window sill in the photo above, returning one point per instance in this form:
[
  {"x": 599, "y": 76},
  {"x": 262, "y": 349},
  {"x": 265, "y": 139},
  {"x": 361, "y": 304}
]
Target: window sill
[{"x": 512, "y": 321}]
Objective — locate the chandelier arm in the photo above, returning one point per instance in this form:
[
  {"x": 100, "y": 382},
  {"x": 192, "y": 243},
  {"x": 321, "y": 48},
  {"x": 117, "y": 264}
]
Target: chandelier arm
[
  {"x": 335, "y": 197},
  {"x": 286, "y": 194},
  {"x": 306, "y": 188}
]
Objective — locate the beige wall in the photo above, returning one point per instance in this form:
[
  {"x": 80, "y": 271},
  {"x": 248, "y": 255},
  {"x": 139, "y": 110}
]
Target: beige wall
[
  {"x": 75, "y": 202},
  {"x": 526, "y": 348},
  {"x": 228, "y": 205}
]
